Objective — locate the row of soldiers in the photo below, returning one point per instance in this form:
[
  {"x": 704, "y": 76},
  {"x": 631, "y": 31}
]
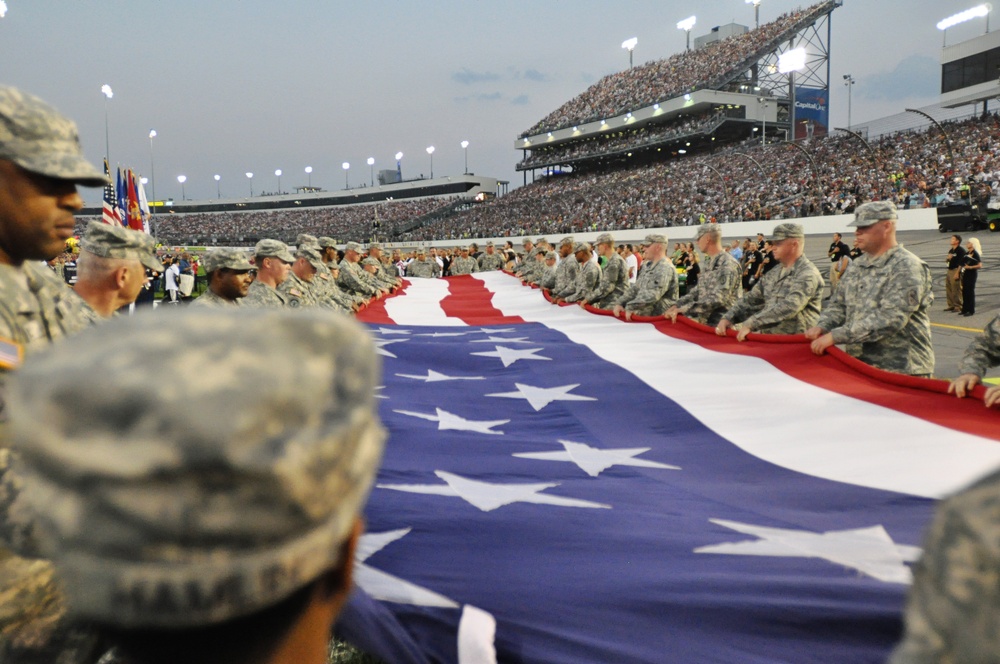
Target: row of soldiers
[{"x": 424, "y": 267}]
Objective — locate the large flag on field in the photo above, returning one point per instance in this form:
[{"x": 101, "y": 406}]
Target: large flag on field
[{"x": 564, "y": 487}]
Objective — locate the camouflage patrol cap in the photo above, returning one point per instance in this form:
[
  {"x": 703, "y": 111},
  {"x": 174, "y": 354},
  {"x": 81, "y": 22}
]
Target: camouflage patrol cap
[
  {"x": 605, "y": 238},
  {"x": 38, "y": 138},
  {"x": 231, "y": 259},
  {"x": 550, "y": 255},
  {"x": 327, "y": 242},
  {"x": 170, "y": 506},
  {"x": 311, "y": 254},
  {"x": 581, "y": 246},
  {"x": 708, "y": 229},
  {"x": 353, "y": 246},
  {"x": 655, "y": 238},
  {"x": 489, "y": 243},
  {"x": 374, "y": 245},
  {"x": 110, "y": 241},
  {"x": 567, "y": 240},
  {"x": 306, "y": 239},
  {"x": 268, "y": 248},
  {"x": 787, "y": 231},
  {"x": 867, "y": 214},
  {"x": 527, "y": 240}
]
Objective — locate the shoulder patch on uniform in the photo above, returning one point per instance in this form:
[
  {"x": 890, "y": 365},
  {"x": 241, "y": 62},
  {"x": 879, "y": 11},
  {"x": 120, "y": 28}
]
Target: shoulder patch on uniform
[
  {"x": 11, "y": 354},
  {"x": 295, "y": 292}
]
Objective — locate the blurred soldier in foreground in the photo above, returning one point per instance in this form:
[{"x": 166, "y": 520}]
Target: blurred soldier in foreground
[
  {"x": 221, "y": 525},
  {"x": 788, "y": 299},
  {"x": 490, "y": 260},
  {"x": 41, "y": 164},
  {"x": 982, "y": 353},
  {"x": 719, "y": 282},
  {"x": 112, "y": 267},
  {"x": 880, "y": 309},
  {"x": 229, "y": 277},
  {"x": 273, "y": 261},
  {"x": 656, "y": 289}
]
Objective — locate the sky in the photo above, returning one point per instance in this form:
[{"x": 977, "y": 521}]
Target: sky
[{"x": 236, "y": 86}]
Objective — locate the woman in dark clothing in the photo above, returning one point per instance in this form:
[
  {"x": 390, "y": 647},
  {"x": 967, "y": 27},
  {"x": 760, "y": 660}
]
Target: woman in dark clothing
[
  {"x": 971, "y": 265},
  {"x": 692, "y": 268}
]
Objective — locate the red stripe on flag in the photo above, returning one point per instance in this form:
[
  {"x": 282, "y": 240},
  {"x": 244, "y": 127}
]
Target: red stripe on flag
[
  {"x": 471, "y": 302},
  {"x": 375, "y": 311}
]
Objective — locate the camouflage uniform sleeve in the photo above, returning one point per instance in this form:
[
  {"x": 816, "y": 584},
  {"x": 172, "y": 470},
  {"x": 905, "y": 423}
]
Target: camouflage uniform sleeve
[
  {"x": 657, "y": 283},
  {"x": 349, "y": 279},
  {"x": 751, "y": 303},
  {"x": 606, "y": 284},
  {"x": 983, "y": 352},
  {"x": 714, "y": 288},
  {"x": 907, "y": 289},
  {"x": 565, "y": 280},
  {"x": 799, "y": 291}
]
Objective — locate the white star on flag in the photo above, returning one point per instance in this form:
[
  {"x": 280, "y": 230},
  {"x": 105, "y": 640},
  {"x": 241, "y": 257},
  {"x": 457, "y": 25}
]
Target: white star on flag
[
  {"x": 379, "y": 343},
  {"x": 388, "y": 330},
  {"x": 380, "y": 396},
  {"x": 488, "y": 496},
  {"x": 444, "y": 334},
  {"x": 871, "y": 550},
  {"x": 449, "y": 421},
  {"x": 495, "y": 330},
  {"x": 386, "y": 587},
  {"x": 487, "y": 340},
  {"x": 435, "y": 377},
  {"x": 511, "y": 355},
  {"x": 594, "y": 461},
  {"x": 540, "y": 397}
]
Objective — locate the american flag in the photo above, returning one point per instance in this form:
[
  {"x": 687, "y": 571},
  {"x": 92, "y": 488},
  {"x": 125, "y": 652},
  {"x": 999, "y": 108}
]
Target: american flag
[{"x": 110, "y": 213}]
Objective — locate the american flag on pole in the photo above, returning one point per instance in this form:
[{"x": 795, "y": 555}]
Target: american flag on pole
[
  {"x": 560, "y": 486},
  {"x": 110, "y": 214}
]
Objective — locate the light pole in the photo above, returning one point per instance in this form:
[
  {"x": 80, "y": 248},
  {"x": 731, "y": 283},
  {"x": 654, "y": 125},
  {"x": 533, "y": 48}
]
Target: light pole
[
  {"x": 465, "y": 147},
  {"x": 278, "y": 174},
  {"x": 108, "y": 94},
  {"x": 347, "y": 169},
  {"x": 182, "y": 179},
  {"x": 756, "y": 10},
  {"x": 309, "y": 172},
  {"x": 849, "y": 82},
  {"x": 399, "y": 166},
  {"x": 763, "y": 115},
  {"x": 3, "y": 8},
  {"x": 152, "y": 172},
  {"x": 790, "y": 62},
  {"x": 250, "y": 177},
  {"x": 686, "y": 26},
  {"x": 979, "y": 11},
  {"x": 371, "y": 167},
  {"x": 629, "y": 45},
  {"x": 430, "y": 151},
  {"x": 218, "y": 190}
]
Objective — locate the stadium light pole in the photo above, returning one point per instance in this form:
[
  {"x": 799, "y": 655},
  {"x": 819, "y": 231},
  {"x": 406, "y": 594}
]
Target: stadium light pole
[
  {"x": 347, "y": 169},
  {"x": 309, "y": 172},
  {"x": 218, "y": 189},
  {"x": 371, "y": 168},
  {"x": 849, "y": 82},
  {"x": 629, "y": 45},
  {"x": 277, "y": 173},
  {"x": 979, "y": 11},
  {"x": 790, "y": 62},
  {"x": 182, "y": 179},
  {"x": 465, "y": 148},
  {"x": 3, "y": 8},
  {"x": 108, "y": 94},
  {"x": 756, "y": 10},
  {"x": 250, "y": 177},
  {"x": 399, "y": 165},
  {"x": 686, "y": 25},
  {"x": 430, "y": 151},
  {"x": 152, "y": 171}
]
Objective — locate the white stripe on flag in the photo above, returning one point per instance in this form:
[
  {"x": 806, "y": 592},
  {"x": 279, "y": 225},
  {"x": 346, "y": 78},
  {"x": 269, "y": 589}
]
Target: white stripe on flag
[{"x": 421, "y": 304}]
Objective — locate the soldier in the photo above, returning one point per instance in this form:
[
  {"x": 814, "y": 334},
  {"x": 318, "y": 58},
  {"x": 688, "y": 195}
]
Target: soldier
[
  {"x": 41, "y": 164},
  {"x": 547, "y": 278},
  {"x": 880, "y": 310},
  {"x": 982, "y": 353},
  {"x": 566, "y": 270},
  {"x": 297, "y": 288},
  {"x": 352, "y": 278},
  {"x": 423, "y": 268},
  {"x": 327, "y": 290},
  {"x": 718, "y": 281},
  {"x": 230, "y": 274},
  {"x": 273, "y": 261},
  {"x": 529, "y": 253},
  {"x": 656, "y": 289},
  {"x": 225, "y": 539},
  {"x": 464, "y": 264},
  {"x": 112, "y": 267},
  {"x": 588, "y": 275},
  {"x": 490, "y": 260},
  {"x": 787, "y": 300},
  {"x": 614, "y": 276},
  {"x": 386, "y": 273}
]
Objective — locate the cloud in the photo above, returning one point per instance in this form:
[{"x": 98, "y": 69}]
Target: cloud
[
  {"x": 520, "y": 100},
  {"x": 468, "y": 77},
  {"x": 916, "y": 76},
  {"x": 535, "y": 75},
  {"x": 485, "y": 97}
]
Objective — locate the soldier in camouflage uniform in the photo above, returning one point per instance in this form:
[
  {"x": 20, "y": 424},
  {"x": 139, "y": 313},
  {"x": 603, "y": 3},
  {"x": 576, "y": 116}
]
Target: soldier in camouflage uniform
[
  {"x": 297, "y": 288},
  {"x": 952, "y": 613},
  {"x": 656, "y": 289},
  {"x": 535, "y": 273},
  {"x": 236, "y": 520},
  {"x": 464, "y": 264},
  {"x": 334, "y": 295},
  {"x": 273, "y": 261},
  {"x": 548, "y": 273},
  {"x": 385, "y": 273},
  {"x": 527, "y": 258},
  {"x": 230, "y": 274},
  {"x": 982, "y": 353},
  {"x": 566, "y": 270},
  {"x": 589, "y": 274},
  {"x": 490, "y": 260},
  {"x": 41, "y": 164},
  {"x": 614, "y": 276},
  {"x": 880, "y": 308},
  {"x": 787, "y": 300},
  {"x": 352, "y": 278},
  {"x": 112, "y": 267},
  {"x": 423, "y": 268},
  {"x": 719, "y": 284}
]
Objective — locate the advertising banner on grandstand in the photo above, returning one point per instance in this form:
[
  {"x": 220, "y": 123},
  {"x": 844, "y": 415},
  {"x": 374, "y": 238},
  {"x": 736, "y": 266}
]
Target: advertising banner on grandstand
[{"x": 812, "y": 112}]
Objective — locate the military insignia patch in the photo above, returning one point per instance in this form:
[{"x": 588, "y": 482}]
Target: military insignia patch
[{"x": 11, "y": 354}]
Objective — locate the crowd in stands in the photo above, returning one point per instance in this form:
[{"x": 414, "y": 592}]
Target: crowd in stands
[{"x": 659, "y": 80}]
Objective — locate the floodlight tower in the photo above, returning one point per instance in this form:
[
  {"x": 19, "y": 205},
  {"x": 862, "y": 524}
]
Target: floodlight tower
[
  {"x": 371, "y": 168},
  {"x": 686, "y": 25},
  {"x": 756, "y": 10},
  {"x": 979, "y": 11},
  {"x": 849, "y": 82},
  {"x": 788, "y": 63},
  {"x": 629, "y": 45},
  {"x": 430, "y": 151}
]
